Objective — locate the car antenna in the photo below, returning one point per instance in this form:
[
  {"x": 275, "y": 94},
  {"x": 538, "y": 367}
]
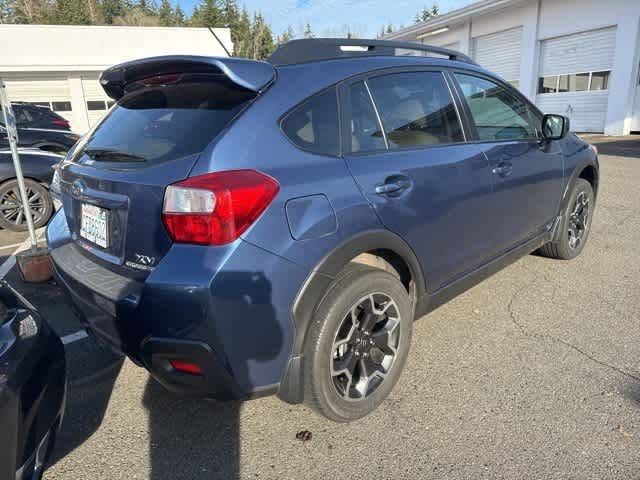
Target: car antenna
[{"x": 219, "y": 41}]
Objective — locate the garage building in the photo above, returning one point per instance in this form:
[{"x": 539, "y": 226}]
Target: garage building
[
  {"x": 59, "y": 65},
  {"x": 578, "y": 58}
]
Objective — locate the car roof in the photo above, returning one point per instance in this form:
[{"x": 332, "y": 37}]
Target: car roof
[{"x": 317, "y": 49}]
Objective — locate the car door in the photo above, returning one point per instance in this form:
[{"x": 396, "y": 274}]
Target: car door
[
  {"x": 527, "y": 172},
  {"x": 406, "y": 149}
]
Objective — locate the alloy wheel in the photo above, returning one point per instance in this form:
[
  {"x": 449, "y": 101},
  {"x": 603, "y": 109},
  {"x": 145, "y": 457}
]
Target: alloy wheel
[
  {"x": 578, "y": 220},
  {"x": 12, "y": 209},
  {"x": 365, "y": 346}
]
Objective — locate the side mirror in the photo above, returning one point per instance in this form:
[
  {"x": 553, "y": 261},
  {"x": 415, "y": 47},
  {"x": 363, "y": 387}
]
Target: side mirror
[{"x": 554, "y": 127}]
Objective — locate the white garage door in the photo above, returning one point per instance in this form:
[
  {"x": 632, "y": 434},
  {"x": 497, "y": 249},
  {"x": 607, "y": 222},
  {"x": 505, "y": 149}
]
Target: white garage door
[
  {"x": 500, "y": 53},
  {"x": 52, "y": 91},
  {"x": 574, "y": 77},
  {"x": 97, "y": 102}
]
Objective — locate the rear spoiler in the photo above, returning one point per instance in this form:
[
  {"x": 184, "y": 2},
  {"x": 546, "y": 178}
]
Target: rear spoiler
[{"x": 250, "y": 74}]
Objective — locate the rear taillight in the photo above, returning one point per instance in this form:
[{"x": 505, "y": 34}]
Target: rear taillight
[
  {"x": 186, "y": 367},
  {"x": 216, "y": 208},
  {"x": 61, "y": 122}
]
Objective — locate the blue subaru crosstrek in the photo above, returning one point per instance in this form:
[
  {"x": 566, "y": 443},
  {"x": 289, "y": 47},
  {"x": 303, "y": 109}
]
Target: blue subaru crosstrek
[{"x": 244, "y": 228}]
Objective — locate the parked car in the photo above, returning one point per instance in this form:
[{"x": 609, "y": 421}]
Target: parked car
[
  {"x": 39, "y": 127},
  {"x": 243, "y": 228},
  {"x": 32, "y": 387},
  {"x": 37, "y": 168}
]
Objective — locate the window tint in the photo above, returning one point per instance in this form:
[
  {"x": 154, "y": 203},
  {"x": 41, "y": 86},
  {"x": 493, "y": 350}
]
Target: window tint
[
  {"x": 547, "y": 84},
  {"x": 61, "y": 106},
  {"x": 23, "y": 115},
  {"x": 95, "y": 105},
  {"x": 497, "y": 114},
  {"x": 574, "y": 82},
  {"x": 166, "y": 122},
  {"x": 600, "y": 80},
  {"x": 577, "y": 82},
  {"x": 313, "y": 125},
  {"x": 416, "y": 109},
  {"x": 366, "y": 134}
]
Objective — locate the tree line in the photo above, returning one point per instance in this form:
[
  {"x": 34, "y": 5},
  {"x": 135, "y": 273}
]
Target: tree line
[{"x": 252, "y": 36}]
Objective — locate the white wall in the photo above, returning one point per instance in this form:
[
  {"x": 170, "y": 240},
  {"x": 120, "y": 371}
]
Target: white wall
[
  {"x": 36, "y": 52},
  {"x": 62, "y": 47}
]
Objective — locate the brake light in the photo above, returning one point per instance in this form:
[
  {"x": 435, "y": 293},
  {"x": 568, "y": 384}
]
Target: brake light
[
  {"x": 216, "y": 208},
  {"x": 185, "y": 367},
  {"x": 61, "y": 122}
]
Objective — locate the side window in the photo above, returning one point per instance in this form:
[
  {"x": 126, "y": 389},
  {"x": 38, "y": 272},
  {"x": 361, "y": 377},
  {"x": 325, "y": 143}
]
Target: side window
[
  {"x": 366, "y": 134},
  {"x": 416, "y": 108},
  {"x": 314, "y": 125},
  {"x": 23, "y": 116},
  {"x": 497, "y": 114}
]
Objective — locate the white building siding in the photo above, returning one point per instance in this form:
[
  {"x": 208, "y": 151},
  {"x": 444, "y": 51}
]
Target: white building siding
[
  {"x": 61, "y": 63},
  {"x": 499, "y": 52},
  {"x": 581, "y": 52},
  {"x": 586, "y": 110}
]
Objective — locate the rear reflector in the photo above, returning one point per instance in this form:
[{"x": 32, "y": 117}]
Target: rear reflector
[
  {"x": 216, "y": 208},
  {"x": 186, "y": 367}
]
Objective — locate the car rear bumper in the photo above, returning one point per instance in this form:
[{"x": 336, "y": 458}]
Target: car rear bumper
[
  {"x": 227, "y": 309},
  {"x": 32, "y": 395}
]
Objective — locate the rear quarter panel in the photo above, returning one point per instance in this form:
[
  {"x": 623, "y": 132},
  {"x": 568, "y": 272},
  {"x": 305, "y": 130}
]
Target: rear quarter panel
[{"x": 255, "y": 141}]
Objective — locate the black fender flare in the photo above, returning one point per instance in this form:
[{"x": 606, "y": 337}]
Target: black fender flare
[
  {"x": 568, "y": 188},
  {"x": 317, "y": 284}
]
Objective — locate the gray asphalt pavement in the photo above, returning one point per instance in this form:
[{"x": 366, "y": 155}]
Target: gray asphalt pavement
[{"x": 535, "y": 373}]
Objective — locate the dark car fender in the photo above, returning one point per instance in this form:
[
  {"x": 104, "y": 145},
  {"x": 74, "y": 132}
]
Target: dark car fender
[
  {"x": 585, "y": 166},
  {"x": 35, "y": 165},
  {"x": 317, "y": 284}
]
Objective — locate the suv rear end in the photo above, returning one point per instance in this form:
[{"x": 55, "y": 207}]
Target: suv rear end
[{"x": 149, "y": 240}]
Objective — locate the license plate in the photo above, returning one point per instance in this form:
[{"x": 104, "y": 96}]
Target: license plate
[{"x": 94, "y": 225}]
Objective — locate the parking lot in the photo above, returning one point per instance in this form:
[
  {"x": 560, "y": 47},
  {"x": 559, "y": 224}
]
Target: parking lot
[{"x": 535, "y": 373}]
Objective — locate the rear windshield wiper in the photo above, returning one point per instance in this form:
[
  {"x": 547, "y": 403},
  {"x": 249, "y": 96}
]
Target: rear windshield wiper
[{"x": 110, "y": 154}]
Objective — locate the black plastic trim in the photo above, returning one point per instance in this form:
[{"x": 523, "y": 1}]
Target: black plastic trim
[
  {"x": 215, "y": 382},
  {"x": 317, "y": 284}
]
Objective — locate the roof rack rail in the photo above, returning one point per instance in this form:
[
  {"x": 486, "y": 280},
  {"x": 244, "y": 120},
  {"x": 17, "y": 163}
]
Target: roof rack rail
[{"x": 316, "y": 49}]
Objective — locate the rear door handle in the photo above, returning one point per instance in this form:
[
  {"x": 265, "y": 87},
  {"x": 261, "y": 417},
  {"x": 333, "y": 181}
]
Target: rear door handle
[
  {"x": 503, "y": 169},
  {"x": 392, "y": 187}
]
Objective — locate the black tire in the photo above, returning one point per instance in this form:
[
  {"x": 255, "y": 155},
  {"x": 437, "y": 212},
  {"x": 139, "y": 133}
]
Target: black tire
[
  {"x": 13, "y": 218},
  {"x": 565, "y": 246},
  {"x": 357, "y": 283}
]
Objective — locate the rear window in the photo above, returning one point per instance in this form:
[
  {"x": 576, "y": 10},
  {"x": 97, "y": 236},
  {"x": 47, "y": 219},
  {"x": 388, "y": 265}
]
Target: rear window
[
  {"x": 162, "y": 123},
  {"x": 314, "y": 124}
]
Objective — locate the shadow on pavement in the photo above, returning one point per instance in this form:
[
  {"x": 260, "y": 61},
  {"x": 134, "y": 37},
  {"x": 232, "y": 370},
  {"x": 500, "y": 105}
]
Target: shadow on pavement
[
  {"x": 191, "y": 438},
  {"x": 622, "y": 147},
  {"x": 84, "y": 412}
]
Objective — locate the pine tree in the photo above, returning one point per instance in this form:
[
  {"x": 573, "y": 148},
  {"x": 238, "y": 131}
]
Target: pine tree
[
  {"x": 207, "y": 14},
  {"x": 166, "y": 14},
  {"x": 435, "y": 10},
  {"x": 242, "y": 44},
  {"x": 308, "y": 33},
  {"x": 178, "y": 15},
  {"x": 110, "y": 9},
  {"x": 262, "y": 45},
  {"x": 71, "y": 12},
  {"x": 287, "y": 35},
  {"x": 230, "y": 13},
  {"x": 389, "y": 29}
]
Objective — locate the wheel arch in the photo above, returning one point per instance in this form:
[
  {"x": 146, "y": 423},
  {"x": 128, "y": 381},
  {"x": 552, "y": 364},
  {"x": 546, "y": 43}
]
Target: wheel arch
[
  {"x": 589, "y": 171},
  {"x": 390, "y": 252}
]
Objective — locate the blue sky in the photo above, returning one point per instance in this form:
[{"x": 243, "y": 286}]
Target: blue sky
[{"x": 334, "y": 17}]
